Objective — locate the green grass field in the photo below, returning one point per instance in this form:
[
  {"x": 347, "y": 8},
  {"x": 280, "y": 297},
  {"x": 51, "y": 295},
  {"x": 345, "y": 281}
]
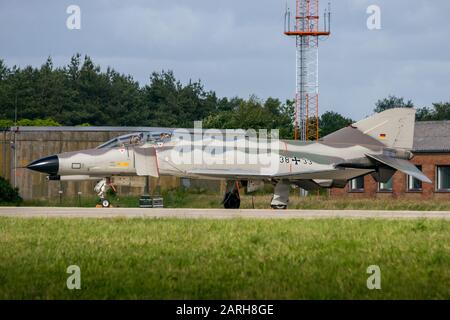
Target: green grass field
[{"x": 224, "y": 259}]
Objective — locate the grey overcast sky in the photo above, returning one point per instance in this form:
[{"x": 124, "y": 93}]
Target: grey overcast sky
[{"x": 237, "y": 47}]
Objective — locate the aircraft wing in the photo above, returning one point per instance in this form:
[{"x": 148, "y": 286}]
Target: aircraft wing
[
  {"x": 228, "y": 174},
  {"x": 335, "y": 174}
]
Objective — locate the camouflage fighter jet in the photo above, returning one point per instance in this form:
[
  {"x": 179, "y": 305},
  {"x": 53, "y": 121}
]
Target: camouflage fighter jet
[{"x": 378, "y": 145}]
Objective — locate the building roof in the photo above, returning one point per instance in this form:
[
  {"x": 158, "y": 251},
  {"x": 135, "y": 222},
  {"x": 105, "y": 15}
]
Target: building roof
[
  {"x": 87, "y": 129},
  {"x": 432, "y": 136}
]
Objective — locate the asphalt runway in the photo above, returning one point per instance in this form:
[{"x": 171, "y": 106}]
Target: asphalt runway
[{"x": 58, "y": 212}]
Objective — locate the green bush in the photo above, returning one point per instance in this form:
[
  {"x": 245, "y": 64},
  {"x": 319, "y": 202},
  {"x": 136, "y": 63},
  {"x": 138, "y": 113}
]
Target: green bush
[
  {"x": 49, "y": 122},
  {"x": 6, "y": 123},
  {"x": 8, "y": 194}
]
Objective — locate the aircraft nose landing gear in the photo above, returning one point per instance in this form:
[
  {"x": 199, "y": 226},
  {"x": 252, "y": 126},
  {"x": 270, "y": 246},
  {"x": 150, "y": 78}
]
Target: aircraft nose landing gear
[
  {"x": 231, "y": 199},
  {"x": 101, "y": 187},
  {"x": 105, "y": 203}
]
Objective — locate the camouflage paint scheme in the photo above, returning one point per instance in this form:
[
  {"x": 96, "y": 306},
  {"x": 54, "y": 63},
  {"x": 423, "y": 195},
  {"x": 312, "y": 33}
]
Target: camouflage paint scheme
[{"x": 378, "y": 145}]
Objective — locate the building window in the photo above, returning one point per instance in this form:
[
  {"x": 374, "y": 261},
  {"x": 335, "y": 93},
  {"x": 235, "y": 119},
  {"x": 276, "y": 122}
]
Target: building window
[
  {"x": 357, "y": 184},
  {"x": 443, "y": 178},
  {"x": 385, "y": 187},
  {"x": 413, "y": 183}
]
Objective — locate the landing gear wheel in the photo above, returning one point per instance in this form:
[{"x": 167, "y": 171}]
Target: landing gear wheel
[
  {"x": 279, "y": 206},
  {"x": 105, "y": 203},
  {"x": 231, "y": 201}
]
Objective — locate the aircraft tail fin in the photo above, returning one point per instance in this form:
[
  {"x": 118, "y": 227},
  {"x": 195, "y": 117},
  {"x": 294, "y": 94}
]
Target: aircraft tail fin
[{"x": 394, "y": 127}]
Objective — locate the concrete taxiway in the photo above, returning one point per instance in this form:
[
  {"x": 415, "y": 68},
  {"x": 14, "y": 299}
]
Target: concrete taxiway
[{"x": 59, "y": 212}]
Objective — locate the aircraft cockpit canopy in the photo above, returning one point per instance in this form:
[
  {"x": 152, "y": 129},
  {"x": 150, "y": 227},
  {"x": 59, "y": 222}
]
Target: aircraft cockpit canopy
[{"x": 136, "y": 138}]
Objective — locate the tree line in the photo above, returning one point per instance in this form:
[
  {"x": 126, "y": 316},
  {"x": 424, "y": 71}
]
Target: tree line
[{"x": 80, "y": 93}]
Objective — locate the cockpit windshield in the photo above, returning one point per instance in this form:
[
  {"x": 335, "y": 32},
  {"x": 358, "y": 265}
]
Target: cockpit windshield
[{"x": 136, "y": 138}]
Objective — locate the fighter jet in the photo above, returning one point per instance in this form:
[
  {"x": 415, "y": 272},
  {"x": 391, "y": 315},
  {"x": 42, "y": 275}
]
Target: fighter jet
[{"x": 378, "y": 145}]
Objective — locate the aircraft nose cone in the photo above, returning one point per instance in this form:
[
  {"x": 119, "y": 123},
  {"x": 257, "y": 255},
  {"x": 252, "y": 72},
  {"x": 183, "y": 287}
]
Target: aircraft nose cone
[{"x": 48, "y": 165}]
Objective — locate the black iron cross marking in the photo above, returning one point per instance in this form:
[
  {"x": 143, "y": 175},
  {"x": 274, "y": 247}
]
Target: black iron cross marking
[{"x": 296, "y": 160}]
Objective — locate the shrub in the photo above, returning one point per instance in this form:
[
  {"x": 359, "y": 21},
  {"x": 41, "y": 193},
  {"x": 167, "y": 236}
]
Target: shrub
[
  {"x": 49, "y": 122},
  {"x": 6, "y": 123},
  {"x": 8, "y": 194}
]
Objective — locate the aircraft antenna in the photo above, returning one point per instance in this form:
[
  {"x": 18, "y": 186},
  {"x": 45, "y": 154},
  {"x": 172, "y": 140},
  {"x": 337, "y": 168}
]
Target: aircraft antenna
[{"x": 307, "y": 32}]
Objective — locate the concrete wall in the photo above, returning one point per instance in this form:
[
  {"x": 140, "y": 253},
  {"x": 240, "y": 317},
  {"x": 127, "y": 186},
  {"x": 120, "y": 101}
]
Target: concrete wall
[{"x": 34, "y": 143}]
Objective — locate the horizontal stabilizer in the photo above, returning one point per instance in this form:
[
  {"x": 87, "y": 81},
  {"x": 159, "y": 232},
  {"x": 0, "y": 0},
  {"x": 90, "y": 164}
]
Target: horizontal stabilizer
[{"x": 401, "y": 165}]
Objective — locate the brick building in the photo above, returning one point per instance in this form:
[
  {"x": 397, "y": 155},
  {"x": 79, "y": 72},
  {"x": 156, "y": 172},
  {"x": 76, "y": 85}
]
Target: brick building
[{"x": 431, "y": 155}]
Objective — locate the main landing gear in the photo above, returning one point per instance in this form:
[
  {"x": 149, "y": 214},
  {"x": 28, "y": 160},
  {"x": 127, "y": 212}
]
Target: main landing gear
[
  {"x": 232, "y": 199},
  {"x": 279, "y": 201},
  {"x": 101, "y": 188},
  {"x": 280, "y": 197}
]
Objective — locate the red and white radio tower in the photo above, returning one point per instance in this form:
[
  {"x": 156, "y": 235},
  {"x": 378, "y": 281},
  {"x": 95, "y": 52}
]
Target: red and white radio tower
[{"x": 307, "y": 33}]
